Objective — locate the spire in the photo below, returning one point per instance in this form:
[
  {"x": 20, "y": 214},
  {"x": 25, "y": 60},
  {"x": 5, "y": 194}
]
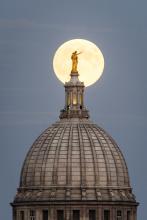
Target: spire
[{"x": 74, "y": 99}]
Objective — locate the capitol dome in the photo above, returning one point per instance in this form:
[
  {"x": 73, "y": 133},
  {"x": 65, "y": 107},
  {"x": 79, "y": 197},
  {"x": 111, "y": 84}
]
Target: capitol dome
[
  {"x": 74, "y": 170},
  {"x": 78, "y": 159}
]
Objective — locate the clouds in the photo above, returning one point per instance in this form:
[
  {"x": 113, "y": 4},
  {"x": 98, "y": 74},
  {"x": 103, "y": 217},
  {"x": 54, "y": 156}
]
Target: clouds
[
  {"x": 15, "y": 24},
  {"x": 28, "y": 25},
  {"x": 13, "y": 119}
]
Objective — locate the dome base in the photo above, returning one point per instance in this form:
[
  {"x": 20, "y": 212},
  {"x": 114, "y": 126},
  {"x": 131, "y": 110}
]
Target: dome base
[{"x": 76, "y": 210}]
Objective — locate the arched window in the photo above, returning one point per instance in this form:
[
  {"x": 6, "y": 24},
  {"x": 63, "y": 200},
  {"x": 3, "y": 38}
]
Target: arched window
[{"x": 74, "y": 101}]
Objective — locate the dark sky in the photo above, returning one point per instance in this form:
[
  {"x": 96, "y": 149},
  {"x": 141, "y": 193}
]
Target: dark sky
[{"x": 31, "y": 95}]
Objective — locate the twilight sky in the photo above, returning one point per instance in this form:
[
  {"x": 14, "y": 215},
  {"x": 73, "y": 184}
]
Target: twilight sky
[{"x": 31, "y": 96}]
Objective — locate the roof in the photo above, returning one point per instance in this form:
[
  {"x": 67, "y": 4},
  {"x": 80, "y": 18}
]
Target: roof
[{"x": 74, "y": 159}]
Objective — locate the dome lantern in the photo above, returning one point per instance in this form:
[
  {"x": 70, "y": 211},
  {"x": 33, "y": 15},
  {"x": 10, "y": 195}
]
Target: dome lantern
[{"x": 74, "y": 98}]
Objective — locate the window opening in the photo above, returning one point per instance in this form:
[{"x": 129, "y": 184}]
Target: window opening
[
  {"x": 60, "y": 215},
  {"x": 74, "y": 99},
  {"x": 32, "y": 215},
  {"x": 106, "y": 214},
  {"x": 128, "y": 215},
  {"x": 119, "y": 215},
  {"x": 21, "y": 215},
  {"x": 45, "y": 214},
  {"x": 76, "y": 214},
  {"x": 92, "y": 215}
]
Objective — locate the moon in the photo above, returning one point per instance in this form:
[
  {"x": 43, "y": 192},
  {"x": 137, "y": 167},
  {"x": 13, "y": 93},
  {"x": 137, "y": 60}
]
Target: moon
[{"x": 90, "y": 61}]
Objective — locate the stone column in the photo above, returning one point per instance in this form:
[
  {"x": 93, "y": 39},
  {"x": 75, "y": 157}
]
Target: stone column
[
  {"x": 38, "y": 214},
  {"x": 17, "y": 214},
  {"x": 134, "y": 214},
  {"x": 14, "y": 213},
  {"x": 111, "y": 213},
  {"x": 97, "y": 213},
  {"x": 71, "y": 97},
  {"x": 68, "y": 214},
  {"x": 50, "y": 213},
  {"x": 53, "y": 213},
  {"x": 131, "y": 214},
  {"x": 84, "y": 213},
  {"x": 66, "y": 98},
  {"x": 26, "y": 214},
  {"x": 100, "y": 213},
  {"x": 125, "y": 214}
]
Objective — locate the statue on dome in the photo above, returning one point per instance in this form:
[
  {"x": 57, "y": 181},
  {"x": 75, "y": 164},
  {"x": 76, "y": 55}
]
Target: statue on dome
[{"x": 74, "y": 58}]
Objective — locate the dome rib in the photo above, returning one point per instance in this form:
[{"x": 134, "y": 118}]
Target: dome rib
[
  {"x": 125, "y": 173},
  {"x": 104, "y": 156},
  {"x": 82, "y": 158},
  {"x": 56, "y": 159},
  {"x": 106, "y": 139},
  {"x": 96, "y": 171},
  {"x": 123, "y": 163},
  {"x": 24, "y": 170},
  {"x": 46, "y": 152},
  {"x": 50, "y": 157},
  {"x": 69, "y": 161},
  {"x": 38, "y": 166},
  {"x": 120, "y": 155},
  {"x": 26, "y": 167}
]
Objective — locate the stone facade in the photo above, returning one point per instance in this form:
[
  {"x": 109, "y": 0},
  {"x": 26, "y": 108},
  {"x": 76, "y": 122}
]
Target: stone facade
[{"x": 85, "y": 211}]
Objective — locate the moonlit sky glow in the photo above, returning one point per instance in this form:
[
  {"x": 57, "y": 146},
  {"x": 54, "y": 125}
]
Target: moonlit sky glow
[
  {"x": 31, "y": 96},
  {"x": 90, "y": 61}
]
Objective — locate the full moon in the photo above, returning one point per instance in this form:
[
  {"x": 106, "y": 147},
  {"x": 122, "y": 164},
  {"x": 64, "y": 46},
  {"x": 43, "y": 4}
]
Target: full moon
[{"x": 90, "y": 61}]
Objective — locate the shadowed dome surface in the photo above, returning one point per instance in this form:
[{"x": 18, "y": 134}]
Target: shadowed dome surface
[{"x": 74, "y": 159}]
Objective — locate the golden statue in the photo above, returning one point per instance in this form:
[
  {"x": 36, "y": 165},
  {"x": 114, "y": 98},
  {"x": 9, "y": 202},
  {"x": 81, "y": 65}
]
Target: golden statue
[{"x": 74, "y": 58}]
